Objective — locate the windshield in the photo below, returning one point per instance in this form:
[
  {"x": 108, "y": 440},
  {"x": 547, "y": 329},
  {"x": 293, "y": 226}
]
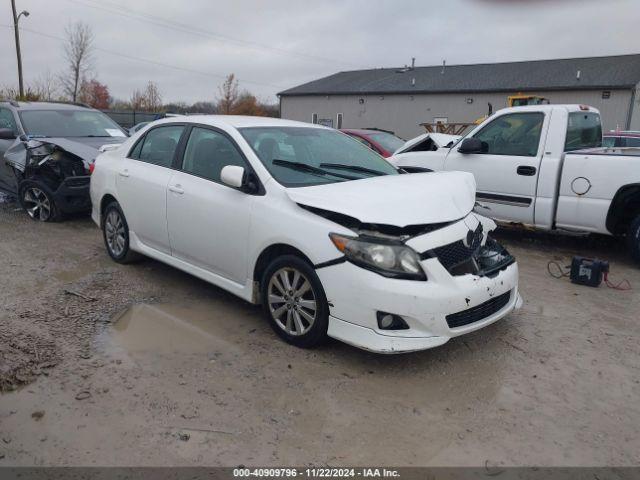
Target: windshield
[
  {"x": 69, "y": 123},
  {"x": 389, "y": 142},
  {"x": 303, "y": 156},
  {"x": 584, "y": 131}
]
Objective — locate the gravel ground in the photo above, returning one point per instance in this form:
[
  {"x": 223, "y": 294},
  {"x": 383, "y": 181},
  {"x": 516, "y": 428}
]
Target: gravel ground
[{"x": 104, "y": 364}]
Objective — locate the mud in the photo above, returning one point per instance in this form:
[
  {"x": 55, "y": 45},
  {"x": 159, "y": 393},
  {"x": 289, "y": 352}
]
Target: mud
[{"x": 163, "y": 369}]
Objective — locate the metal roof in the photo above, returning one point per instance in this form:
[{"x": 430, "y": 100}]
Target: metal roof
[{"x": 621, "y": 71}]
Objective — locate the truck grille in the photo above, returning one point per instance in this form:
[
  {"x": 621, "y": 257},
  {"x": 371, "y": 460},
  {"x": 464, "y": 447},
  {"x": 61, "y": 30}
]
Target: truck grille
[{"x": 479, "y": 312}]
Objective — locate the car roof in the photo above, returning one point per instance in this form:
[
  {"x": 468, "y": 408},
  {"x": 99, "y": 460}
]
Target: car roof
[
  {"x": 238, "y": 121},
  {"x": 46, "y": 105}
]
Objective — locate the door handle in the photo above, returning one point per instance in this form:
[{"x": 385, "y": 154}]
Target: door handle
[
  {"x": 526, "y": 170},
  {"x": 176, "y": 189},
  {"x": 124, "y": 173}
]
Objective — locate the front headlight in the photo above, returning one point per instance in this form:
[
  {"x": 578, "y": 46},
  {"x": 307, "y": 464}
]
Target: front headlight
[{"x": 394, "y": 260}]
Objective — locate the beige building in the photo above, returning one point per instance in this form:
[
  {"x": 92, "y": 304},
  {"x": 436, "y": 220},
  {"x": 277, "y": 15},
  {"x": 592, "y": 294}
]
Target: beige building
[{"x": 400, "y": 99}]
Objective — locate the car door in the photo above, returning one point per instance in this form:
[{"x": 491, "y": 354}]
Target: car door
[
  {"x": 506, "y": 171},
  {"x": 209, "y": 221},
  {"x": 142, "y": 184},
  {"x": 7, "y": 177}
]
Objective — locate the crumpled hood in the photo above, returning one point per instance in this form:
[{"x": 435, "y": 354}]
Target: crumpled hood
[
  {"x": 399, "y": 200},
  {"x": 85, "y": 148}
]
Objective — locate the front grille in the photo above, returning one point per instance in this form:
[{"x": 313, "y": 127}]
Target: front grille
[
  {"x": 479, "y": 312},
  {"x": 453, "y": 254}
]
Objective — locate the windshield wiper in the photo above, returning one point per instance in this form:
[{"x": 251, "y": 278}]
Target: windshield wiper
[
  {"x": 303, "y": 167},
  {"x": 354, "y": 168}
]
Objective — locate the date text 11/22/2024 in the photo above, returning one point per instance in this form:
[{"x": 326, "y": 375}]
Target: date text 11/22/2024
[{"x": 315, "y": 472}]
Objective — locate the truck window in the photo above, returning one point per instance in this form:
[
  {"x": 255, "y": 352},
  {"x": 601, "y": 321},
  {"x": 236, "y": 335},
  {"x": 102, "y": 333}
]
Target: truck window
[
  {"x": 516, "y": 134},
  {"x": 584, "y": 130}
]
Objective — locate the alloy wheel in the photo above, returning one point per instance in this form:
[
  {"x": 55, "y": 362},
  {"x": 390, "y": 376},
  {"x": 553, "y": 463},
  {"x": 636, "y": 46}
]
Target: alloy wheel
[
  {"x": 292, "y": 301},
  {"x": 115, "y": 233},
  {"x": 37, "y": 204}
]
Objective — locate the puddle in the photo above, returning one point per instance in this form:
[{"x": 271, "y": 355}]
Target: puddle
[
  {"x": 169, "y": 328},
  {"x": 74, "y": 274}
]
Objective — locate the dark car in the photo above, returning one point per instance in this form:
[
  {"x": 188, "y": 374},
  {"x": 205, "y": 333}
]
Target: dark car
[
  {"x": 384, "y": 143},
  {"x": 47, "y": 151},
  {"x": 621, "y": 139}
]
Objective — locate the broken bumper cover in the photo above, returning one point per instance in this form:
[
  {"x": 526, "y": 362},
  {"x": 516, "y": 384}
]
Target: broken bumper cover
[
  {"x": 73, "y": 194},
  {"x": 435, "y": 310}
]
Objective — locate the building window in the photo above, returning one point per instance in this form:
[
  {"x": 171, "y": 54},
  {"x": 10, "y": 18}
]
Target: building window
[
  {"x": 606, "y": 94},
  {"x": 314, "y": 118},
  {"x": 339, "y": 121}
]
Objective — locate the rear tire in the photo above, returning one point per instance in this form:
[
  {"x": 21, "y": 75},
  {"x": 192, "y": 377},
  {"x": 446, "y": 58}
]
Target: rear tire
[
  {"x": 115, "y": 232},
  {"x": 633, "y": 239},
  {"x": 37, "y": 200},
  {"x": 294, "y": 301}
]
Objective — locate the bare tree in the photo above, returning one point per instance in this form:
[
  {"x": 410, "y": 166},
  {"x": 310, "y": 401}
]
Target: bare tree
[
  {"x": 152, "y": 97},
  {"x": 137, "y": 100},
  {"x": 228, "y": 95},
  {"x": 78, "y": 52},
  {"x": 46, "y": 86}
]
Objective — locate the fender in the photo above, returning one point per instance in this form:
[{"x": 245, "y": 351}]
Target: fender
[{"x": 624, "y": 208}]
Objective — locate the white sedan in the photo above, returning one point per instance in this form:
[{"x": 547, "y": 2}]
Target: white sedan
[{"x": 328, "y": 236}]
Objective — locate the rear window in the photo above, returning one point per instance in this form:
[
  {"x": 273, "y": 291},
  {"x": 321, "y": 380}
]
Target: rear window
[
  {"x": 389, "y": 142},
  {"x": 584, "y": 131}
]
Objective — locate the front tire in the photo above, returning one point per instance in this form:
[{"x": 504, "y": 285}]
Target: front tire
[
  {"x": 38, "y": 202},
  {"x": 115, "y": 232},
  {"x": 294, "y": 301},
  {"x": 633, "y": 239}
]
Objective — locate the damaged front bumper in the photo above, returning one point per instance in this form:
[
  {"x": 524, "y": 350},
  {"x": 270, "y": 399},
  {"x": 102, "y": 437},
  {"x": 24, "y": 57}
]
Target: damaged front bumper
[
  {"x": 457, "y": 298},
  {"x": 72, "y": 196},
  {"x": 62, "y": 173}
]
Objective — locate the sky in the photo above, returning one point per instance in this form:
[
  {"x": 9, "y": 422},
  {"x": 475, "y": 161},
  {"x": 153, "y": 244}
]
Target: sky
[{"x": 187, "y": 47}]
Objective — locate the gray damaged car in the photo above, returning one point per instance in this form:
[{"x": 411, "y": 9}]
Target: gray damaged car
[{"x": 48, "y": 150}]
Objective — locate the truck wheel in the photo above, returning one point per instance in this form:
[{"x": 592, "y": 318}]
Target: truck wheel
[
  {"x": 633, "y": 238},
  {"x": 38, "y": 202},
  {"x": 115, "y": 232},
  {"x": 294, "y": 301}
]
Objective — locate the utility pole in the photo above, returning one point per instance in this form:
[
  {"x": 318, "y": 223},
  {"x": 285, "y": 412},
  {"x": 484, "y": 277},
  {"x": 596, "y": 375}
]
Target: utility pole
[{"x": 16, "y": 18}]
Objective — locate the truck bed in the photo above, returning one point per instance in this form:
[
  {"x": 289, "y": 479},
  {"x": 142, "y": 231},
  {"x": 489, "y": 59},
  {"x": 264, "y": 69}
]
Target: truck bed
[{"x": 589, "y": 180}]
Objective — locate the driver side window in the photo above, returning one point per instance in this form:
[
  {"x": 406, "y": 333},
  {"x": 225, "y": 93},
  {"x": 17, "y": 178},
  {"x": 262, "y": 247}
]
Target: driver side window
[
  {"x": 208, "y": 152},
  {"x": 7, "y": 120},
  {"x": 516, "y": 134}
]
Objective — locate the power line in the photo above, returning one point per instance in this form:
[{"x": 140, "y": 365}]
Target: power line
[
  {"x": 121, "y": 10},
  {"x": 146, "y": 60}
]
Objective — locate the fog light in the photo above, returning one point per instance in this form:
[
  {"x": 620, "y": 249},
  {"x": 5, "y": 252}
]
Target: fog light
[{"x": 389, "y": 321}]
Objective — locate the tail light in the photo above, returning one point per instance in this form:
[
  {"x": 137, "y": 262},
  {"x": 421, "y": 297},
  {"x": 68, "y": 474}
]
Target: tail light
[{"x": 92, "y": 167}]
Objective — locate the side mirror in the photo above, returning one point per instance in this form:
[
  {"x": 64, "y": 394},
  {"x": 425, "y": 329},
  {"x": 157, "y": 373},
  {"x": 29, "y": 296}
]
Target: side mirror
[
  {"x": 471, "y": 145},
  {"x": 7, "y": 134},
  {"x": 233, "y": 176}
]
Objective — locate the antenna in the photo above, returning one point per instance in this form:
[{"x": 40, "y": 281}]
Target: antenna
[
  {"x": 444, "y": 64},
  {"x": 413, "y": 63}
]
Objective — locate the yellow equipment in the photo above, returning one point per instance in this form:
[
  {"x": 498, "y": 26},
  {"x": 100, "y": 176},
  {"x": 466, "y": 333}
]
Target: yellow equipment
[
  {"x": 521, "y": 100},
  {"x": 517, "y": 100}
]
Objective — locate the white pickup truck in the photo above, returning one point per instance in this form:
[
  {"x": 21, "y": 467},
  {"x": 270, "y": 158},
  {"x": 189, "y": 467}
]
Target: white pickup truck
[{"x": 542, "y": 166}]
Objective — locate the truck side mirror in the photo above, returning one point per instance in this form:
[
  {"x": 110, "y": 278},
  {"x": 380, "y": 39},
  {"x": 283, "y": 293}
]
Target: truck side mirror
[{"x": 471, "y": 145}]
